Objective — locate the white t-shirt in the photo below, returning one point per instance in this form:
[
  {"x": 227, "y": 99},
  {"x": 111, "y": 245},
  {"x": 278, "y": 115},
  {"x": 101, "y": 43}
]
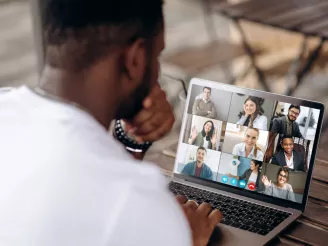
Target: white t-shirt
[
  {"x": 240, "y": 150},
  {"x": 205, "y": 145},
  {"x": 65, "y": 181},
  {"x": 290, "y": 163},
  {"x": 252, "y": 178}
]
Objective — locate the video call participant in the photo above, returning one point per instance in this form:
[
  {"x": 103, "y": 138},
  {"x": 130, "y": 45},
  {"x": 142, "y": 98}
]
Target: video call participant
[
  {"x": 203, "y": 106},
  {"x": 249, "y": 148},
  {"x": 287, "y": 156},
  {"x": 287, "y": 125},
  {"x": 198, "y": 168},
  {"x": 252, "y": 114},
  {"x": 280, "y": 188},
  {"x": 206, "y": 138},
  {"x": 251, "y": 175}
]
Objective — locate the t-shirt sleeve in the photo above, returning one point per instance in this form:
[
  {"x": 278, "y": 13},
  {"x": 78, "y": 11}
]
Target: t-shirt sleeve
[{"x": 150, "y": 217}]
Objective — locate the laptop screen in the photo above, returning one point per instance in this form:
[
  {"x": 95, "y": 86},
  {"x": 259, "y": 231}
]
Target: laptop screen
[{"x": 248, "y": 140}]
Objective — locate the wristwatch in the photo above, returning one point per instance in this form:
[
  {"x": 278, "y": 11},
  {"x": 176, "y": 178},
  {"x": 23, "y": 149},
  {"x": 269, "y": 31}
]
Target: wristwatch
[{"x": 128, "y": 140}]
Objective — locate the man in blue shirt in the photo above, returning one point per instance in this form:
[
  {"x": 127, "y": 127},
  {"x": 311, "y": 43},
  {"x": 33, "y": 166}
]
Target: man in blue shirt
[{"x": 198, "y": 168}]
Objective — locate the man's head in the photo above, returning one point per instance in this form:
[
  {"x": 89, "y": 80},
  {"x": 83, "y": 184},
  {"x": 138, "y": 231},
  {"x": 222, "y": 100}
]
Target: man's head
[
  {"x": 201, "y": 152},
  {"x": 287, "y": 144},
  {"x": 112, "y": 45},
  {"x": 207, "y": 92},
  {"x": 293, "y": 112}
]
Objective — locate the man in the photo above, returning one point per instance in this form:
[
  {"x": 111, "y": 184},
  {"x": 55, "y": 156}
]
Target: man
[
  {"x": 64, "y": 179},
  {"x": 198, "y": 168},
  {"x": 287, "y": 125},
  {"x": 288, "y": 157},
  {"x": 204, "y": 106}
]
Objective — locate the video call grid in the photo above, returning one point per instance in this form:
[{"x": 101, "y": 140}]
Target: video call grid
[{"x": 273, "y": 111}]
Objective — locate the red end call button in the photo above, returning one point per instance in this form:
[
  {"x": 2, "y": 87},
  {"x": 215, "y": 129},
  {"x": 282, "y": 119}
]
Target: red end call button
[{"x": 251, "y": 186}]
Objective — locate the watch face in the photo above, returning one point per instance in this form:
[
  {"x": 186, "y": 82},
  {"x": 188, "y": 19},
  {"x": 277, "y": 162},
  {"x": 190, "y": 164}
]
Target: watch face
[{"x": 129, "y": 135}]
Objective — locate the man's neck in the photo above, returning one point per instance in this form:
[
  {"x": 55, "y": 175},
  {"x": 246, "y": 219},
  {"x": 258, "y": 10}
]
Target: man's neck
[
  {"x": 199, "y": 164},
  {"x": 206, "y": 100},
  {"x": 72, "y": 88},
  {"x": 289, "y": 154}
]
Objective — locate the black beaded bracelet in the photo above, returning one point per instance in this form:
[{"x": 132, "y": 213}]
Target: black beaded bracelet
[{"x": 130, "y": 144}]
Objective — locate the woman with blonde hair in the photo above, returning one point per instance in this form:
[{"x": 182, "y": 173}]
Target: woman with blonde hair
[
  {"x": 252, "y": 114},
  {"x": 249, "y": 148}
]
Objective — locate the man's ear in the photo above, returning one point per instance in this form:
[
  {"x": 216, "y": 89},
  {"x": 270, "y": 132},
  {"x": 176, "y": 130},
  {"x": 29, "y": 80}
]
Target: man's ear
[{"x": 135, "y": 62}]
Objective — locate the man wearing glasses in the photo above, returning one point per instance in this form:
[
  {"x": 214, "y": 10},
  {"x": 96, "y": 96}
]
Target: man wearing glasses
[{"x": 287, "y": 125}]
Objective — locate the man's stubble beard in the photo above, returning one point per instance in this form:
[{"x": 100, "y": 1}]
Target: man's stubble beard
[{"x": 132, "y": 105}]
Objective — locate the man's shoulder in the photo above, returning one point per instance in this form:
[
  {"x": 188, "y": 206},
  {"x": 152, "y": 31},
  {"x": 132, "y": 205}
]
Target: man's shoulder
[
  {"x": 280, "y": 119},
  {"x": 191, "y": 163},
  {"x": 198, "y": 100},
  {"x": 207, "y": 167}
]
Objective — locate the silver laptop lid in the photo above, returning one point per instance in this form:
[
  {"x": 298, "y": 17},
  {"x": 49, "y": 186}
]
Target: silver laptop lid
[{"x": 253, "y": 143}]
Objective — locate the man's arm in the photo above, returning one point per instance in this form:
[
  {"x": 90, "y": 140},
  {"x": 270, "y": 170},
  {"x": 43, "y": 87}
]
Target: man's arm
[
  {"x": 275, "y": 126},
  {"x": 143, "y": 216},
  {"x": 274, "y": 160},
  {"x": 212, "y": 115},
  {"x": 154, "y": 121},
  {"x": 186, "y": 169},
  {"x": 196, "y": 110},
  {"x": 298, "y": 132}
]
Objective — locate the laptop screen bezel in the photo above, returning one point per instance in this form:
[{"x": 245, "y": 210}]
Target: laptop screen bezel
[{"x": 265, "y": 95}]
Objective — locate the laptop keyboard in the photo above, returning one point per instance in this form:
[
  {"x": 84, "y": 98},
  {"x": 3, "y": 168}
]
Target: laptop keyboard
[{"x": 237, "y": 213}]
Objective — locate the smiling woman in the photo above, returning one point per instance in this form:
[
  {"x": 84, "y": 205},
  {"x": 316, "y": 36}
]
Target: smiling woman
[
  {"x": 249, "y": 147},
  {"x": 252, "y": 114},
  {"x": 281, "y": 188}
]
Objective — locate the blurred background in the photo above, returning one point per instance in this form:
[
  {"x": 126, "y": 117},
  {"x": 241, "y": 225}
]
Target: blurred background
[{"x": 211, "y": 39}]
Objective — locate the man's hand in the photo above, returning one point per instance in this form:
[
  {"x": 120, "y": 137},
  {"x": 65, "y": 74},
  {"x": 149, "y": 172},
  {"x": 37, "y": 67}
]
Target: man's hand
[
  {"x": 202, "y": 220},
  {"x": 154, "y": 120}
]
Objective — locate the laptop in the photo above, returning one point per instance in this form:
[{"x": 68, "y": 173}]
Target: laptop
[{"x": 249, "y": 154}]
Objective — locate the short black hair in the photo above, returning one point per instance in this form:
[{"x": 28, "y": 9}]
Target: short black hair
[
  {"x": 294, "y": 106},
  {"x": 207, "y": 88},
  {"x": 286, "y": 137},
  {"x": 202, "y": 148},
  {"x": 90, "y": 29}
]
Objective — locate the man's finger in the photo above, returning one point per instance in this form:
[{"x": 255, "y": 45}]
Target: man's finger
[
  {"x": 204, "y": 209},
  {"x": 191, "y": 204},
  {"x": 148, "y": 101},
  {"x": 215, "y": 217},
  {"x": 159, "y": 132},
  {"x": 152, "y": 124},
  {"x": 181, "y": 199}
]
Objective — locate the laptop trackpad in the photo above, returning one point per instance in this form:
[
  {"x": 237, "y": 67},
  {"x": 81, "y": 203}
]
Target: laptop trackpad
[{"x": 227, "y": 235}]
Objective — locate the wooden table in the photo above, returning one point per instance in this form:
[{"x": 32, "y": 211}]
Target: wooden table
[
  {"x": 307, "y": 17},
  {"x": 312, "y": 227}
]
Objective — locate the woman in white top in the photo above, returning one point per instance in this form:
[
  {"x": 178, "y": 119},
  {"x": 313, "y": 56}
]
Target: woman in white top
[
  {"x": 251, "y": 115},
  {"x": 248, "y": 148},
  {"x": 281, "y": 188}
]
